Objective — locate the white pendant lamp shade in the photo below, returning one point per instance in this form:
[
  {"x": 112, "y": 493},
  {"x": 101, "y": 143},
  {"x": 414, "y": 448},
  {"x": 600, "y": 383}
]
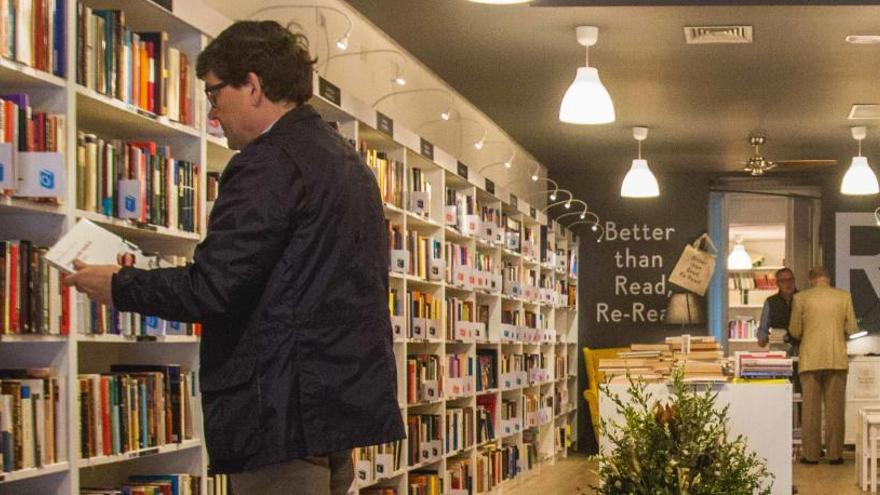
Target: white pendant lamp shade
[
  {"x": 739, "y": 259},
  {"x": 587, "y": 101},
  {"x": 859, "y": 179},
  {"x": 639, "y": 182}
]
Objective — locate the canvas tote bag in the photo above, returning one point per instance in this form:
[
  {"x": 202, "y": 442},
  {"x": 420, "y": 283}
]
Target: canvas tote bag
[{"x": 695, "y": 266}]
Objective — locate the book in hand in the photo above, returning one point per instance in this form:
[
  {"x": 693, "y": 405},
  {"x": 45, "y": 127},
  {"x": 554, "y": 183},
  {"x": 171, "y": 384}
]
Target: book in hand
[{"x": 90, "y": 244}]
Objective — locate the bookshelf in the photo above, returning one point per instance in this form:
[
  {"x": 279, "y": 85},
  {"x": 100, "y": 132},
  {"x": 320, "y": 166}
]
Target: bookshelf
[{"x": 551, "y": 393}]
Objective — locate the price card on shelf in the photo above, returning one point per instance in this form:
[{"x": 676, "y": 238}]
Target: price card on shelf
[
  {"x": 7, "y": 171},
  {"x": 418, "y": 202},
  {"x": 399, "y": 261},
  {"x": 436, "y": 269},
  {"x": 41, "y": 175},
  {"x": 450, "y": 215},
  {"x": 364, "y": 472},
  {"x": 430, "y": 390},
  {"x": 384, "y": 466},
  {"x": 419, "y": 328},
  {"x": 398, "y": 323},
  {"x": 433, "y": 329}
]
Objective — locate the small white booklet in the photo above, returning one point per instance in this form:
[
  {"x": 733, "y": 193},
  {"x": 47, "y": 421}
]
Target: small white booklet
[{"x": 91, "y": 244}]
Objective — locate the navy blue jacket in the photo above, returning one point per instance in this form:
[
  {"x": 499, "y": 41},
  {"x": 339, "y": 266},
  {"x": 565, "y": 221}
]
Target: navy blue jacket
[{"x": 291, "y": 286}]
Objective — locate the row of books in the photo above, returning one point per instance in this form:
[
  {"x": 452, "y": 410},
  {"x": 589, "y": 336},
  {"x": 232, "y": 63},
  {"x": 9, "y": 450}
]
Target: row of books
[
  {"x": 485, "y": 418},
  {"x": 138, "y": 68},
  {"x": 459, "y": 429},
  {"x": 34, "y": 301},
  {"x": 748, "y": 281},
  {"x": 424, "y": 378},
  {"x": 389, "y": 173},
  {"x": 134, "y": 407},
  {"x": 136, "y": 180},
  {"x": 420, "y": 193},
  {"x": 424, "y": 483},
  {"x": 459, "y": 477},
  {"x": 32, "y": 431},
  {"x": 495, "y": 465},
  {"x": 377, "y": 461},
  {"x": 742, "y": 329},
  {"x": 486, "y": 369},
  {"x": 34, "y": 33},
  {"x": 424, "y": 440},
  {"x": 27, "y": 171},
  {"x": 166, "y": 484}
]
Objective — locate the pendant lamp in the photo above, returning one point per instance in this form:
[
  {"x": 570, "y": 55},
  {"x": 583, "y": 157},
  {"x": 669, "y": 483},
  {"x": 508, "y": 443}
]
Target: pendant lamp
[
  {"x": 640, "y": 181},
  {"x": 860, "y": 179},
  {"x": 739, "y": 259},
  {"x": 587, "y": 101}
]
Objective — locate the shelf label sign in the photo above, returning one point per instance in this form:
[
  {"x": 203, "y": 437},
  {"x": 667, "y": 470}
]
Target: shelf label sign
[
  {"x": 40, "y": 175},
  {"x": 329, "y": 91},
  {"x": 384, "y": 123},
  {"x": 426, "y": 149},
  {"x": 462, "y": 170},
  {"x": 7, "y": 177},
  {"x": 490, "y": 186},
  {"x": 533, "y": 213},
  {"x": 514, "y": 201}
]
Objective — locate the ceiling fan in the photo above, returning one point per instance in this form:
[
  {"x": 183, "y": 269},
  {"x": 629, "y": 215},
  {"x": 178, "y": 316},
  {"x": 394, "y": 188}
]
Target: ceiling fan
[{"x": 757, "y": 165}]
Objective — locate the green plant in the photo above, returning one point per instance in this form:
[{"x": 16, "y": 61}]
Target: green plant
[{"x": 677, "y": 448}]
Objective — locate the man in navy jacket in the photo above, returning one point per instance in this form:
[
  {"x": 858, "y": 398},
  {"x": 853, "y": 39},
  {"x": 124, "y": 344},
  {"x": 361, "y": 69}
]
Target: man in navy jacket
[{"x": 290, "y": 282}]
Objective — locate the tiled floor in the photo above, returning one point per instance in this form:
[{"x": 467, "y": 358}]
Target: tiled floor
[{"x": 574, "y": 475}]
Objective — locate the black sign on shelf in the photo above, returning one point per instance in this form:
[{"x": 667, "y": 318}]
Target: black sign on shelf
[
  {"x": 514, "y": 202},
  {"x": 462, "y": 170},
  {"x": 384, "y": 123},
  {"x": 329, "y": 91},
  {"x": 490, "y": 186},
  {"x": 426, "y": 149},
  {"x": 532, "y": 212},
  {"x": 165, "y": 4}
]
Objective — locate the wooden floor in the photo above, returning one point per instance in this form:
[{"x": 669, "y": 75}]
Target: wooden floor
[{"x": 574, "y": 475}]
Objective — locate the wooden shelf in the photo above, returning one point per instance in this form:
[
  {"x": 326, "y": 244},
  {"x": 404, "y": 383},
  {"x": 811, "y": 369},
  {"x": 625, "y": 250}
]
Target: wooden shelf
[
  {"x": 24, "y": 474},
  {"x": 15, "y": 75},
  {"x": 31, "y": 338},
  {"x": 9, "y": 204},
  {"x": 137, "y": 339},
  {"x": 108, "y": 116},
  {"x": 133, "y": 231},
  {"x": 139, "y": 454}
]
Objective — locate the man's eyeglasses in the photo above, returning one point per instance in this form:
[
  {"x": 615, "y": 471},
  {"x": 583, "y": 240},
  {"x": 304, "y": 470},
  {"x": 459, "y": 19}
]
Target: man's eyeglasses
[{"x": 211, "y": 92}]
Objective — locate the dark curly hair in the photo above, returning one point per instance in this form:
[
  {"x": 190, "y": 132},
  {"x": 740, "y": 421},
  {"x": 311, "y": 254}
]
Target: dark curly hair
[{"x": 277, "y": 56}]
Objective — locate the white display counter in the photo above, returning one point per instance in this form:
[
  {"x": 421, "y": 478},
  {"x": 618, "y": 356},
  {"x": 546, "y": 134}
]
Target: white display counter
[{"x": 760, "y": 412}]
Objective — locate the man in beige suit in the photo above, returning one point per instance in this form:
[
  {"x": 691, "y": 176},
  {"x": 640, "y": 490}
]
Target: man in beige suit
[{"x": 821, "y": 318}]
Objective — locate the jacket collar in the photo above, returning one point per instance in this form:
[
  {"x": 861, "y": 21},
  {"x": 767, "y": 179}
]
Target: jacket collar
[{"x": 300, "y": 113}]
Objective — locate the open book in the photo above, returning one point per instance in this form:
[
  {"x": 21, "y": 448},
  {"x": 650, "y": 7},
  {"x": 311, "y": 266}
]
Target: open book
[{"x": 91, "y": 244}]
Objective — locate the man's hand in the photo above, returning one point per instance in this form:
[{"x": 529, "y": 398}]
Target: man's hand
[{"x": 93, "y": 280}]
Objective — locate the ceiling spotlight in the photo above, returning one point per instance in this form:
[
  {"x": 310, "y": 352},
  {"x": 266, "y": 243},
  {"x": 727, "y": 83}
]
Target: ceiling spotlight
[
  {"x": 587, "y": 101},
  {"x": 859, "y": 180},
  {"x": 583, "y": 215},
  {"x": 479, "y": 144},
  {"x": 568, "y": 205},
  {"x": 595, "y": 227},
  {"x": 553, "y": 196},
  {"x": 534, "y": 177},
  {"x": 342, "y": 43},
  {"x": 445, "y": 115},
  {"x": 399, "y": 80}
]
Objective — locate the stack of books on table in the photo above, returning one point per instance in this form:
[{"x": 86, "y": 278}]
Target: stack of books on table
[
  {"x": 647, "y": 362},
  {"x": 700, "y": 357},
  {"x": 762, "y": 365}
]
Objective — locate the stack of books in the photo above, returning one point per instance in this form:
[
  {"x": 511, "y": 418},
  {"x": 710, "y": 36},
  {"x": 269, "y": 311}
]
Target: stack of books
[
  {"x": 700, "y": 357},
  {"x": 762, "y": 365},
  {"x": 32, "y": 420}
]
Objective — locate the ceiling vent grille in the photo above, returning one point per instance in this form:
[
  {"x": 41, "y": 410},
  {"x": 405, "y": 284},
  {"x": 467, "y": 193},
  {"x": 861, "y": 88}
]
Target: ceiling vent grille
[
  {"x": 703, "y": 35},
  {"x": 862, "y": 111}
]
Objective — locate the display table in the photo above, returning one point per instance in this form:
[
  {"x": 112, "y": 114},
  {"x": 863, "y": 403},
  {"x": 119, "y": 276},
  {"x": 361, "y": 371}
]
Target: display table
[{"x": 760, "y": 412}]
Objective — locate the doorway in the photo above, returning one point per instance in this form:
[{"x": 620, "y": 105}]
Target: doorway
[{"x": 759, "y": 227}]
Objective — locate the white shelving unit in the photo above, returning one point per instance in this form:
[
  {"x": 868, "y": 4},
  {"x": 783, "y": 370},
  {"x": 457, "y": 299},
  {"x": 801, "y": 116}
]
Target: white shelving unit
[{"x": 70, "y": 356}]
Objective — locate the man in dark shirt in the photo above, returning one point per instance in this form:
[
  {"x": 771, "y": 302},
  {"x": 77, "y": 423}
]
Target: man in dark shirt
[
  {"x": 290, "y": 282},
  {"x": 777, "y": 308}
]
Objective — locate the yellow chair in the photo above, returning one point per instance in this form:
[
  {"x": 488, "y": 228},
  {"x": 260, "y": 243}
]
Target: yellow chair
[{"x": 594, "y": 378}]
